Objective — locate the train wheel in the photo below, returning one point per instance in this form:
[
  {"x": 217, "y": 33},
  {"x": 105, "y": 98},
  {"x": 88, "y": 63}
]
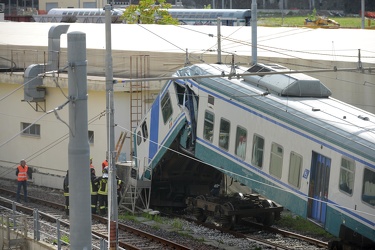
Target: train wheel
[
  {"x": 266, "y": 219},
  {"x": 199, "y": 212},
  {"x": 228, "y": 221}
]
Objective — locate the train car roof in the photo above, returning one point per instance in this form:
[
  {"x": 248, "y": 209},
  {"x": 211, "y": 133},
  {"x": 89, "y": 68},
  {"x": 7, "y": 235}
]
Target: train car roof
[
  {"x": 326, "y": 118},
  {"x": 234, "y": 13},
  {"x": 300, "y": 85},
  {"x": 67, "y": 11}
]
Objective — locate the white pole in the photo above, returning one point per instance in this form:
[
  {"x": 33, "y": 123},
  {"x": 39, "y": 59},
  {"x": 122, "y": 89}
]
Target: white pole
[{"x": 112, "y": 183}]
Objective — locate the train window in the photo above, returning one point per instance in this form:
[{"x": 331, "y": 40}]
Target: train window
[
  {"x": 144, "y": 131},
  {"x": 295, "y": 166},
  {"x": 180, "y": 91},
  {"x": 347, "y": 175},
  {"x": 241, "y": 141},
  {"x": 276, "y": 161},
  {"x": 30, "y": 129},
  {"x": 224, "y": 134},
  {"x": 208, "y": 126},
  {"x": 258, "y": 148},
  {"x": 139, "y": 138},
  {"x": 166, "y": 107},
  {"x": 368, "y": 188},
  {"x": 211, "y": 99}
]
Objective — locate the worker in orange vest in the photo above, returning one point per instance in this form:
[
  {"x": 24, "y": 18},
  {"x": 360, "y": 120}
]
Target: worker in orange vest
[{"x": 22, "y": 174}]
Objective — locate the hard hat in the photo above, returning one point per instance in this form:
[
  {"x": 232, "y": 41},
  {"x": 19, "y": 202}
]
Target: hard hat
[
  {"x": 105, "y": 175},
  {"x": 216, "y": 186}
]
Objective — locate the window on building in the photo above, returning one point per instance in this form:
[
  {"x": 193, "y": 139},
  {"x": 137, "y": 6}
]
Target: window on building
[
  {"x": 166, "y": 107},
  {"x": 346, "y": 182},
  {"x": 208, "y": 131},
  {"x": 28, "y": 129},
  {"x": 368, "y": 188},
  {"x": 295, "y": 166},
  {"x": 224, "y": 134},
  {"x": 276, "y": 160},
  {"x": 258, "y": 148},
  {"x": 241, "y": 142},
  {"x": 91, "y": 137}
]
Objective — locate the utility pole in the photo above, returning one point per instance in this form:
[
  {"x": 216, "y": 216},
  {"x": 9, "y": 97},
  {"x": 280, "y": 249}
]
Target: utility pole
[
  {"x": 363, "y": 14},
  {"x": 112, "y": 182},
  {"x": 78, "y": 147},
  {"x": 254, "y": 44},
  {"x": 219, "y": 40}
]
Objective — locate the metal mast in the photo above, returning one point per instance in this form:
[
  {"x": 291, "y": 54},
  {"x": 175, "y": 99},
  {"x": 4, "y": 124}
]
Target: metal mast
[
  {"x": 112, "y": 183},
  {"x": 254, "y": 44},
  {"x": 78, "y": 148}
]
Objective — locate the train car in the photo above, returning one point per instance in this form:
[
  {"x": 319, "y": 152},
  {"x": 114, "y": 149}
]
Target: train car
[
  {"x": 228, "y": 17},
  {"x": 282, "y": 135},
  {"x": 78, "y": 15}
]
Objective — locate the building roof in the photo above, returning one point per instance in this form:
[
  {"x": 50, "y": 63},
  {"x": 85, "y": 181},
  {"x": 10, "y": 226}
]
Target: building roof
[{"x": 282, "y": 42}]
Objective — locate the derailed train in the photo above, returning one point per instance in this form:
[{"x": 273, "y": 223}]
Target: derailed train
[{"x": 282, "y": 135}]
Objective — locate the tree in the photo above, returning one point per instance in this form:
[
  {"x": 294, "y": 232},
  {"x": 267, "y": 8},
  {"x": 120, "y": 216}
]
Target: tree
[{"x": 147, "y": 12}]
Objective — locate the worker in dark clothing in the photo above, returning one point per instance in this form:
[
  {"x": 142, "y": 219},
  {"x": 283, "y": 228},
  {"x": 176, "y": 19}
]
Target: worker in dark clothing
[
  {"x": 103, "y": 192},
  {"x": 66, "y": 192},
  {"x": 120, "y": 185},
  {"x": 94, "y": 186},
  {"x": 215, "y": 191}
]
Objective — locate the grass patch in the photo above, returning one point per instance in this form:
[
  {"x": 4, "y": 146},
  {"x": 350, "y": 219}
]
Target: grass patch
[
  {"x": 64, "y": 240},
  {"x": 298, "y": 21},
  {"x": 127, "y": 216},
  {"x": 299, "y": 224},
  {"x": 177, "y": 224},
  {"x": 155, "y": 218}
]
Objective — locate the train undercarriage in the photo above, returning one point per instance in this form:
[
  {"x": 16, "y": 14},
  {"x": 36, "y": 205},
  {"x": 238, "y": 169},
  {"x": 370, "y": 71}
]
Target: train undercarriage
[
  {"x": 180, "y": 181},
  {"x": 228, "y": 210}
]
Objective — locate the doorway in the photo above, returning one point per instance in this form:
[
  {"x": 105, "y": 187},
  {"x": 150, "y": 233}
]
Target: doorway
[{"x": 318, "y": 188}]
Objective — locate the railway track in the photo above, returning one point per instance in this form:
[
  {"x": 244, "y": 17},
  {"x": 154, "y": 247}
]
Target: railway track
[
  {"x": 133, "y": 238},
  {"x": 273, "y": 237},
  {"x": 129, "y": 237}
]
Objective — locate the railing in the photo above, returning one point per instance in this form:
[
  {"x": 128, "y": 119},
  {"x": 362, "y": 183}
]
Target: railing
[{"x": 17, "y": 226}]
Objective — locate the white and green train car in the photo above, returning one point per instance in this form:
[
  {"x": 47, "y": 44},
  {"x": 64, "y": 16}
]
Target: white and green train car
[{"x": 282, "y": 135}]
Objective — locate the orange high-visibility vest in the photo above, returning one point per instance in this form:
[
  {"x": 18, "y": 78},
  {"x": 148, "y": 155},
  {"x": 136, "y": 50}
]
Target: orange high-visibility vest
[{"x": 22, "y": 173}]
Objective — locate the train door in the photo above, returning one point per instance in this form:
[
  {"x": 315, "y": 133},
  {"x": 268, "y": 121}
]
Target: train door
[{"x": 318, "y": 188}]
